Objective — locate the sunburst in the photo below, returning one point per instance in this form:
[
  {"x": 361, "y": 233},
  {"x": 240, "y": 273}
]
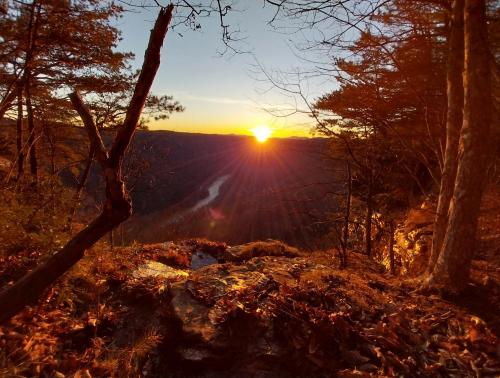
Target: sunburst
[{"x": 262, "y": 133}]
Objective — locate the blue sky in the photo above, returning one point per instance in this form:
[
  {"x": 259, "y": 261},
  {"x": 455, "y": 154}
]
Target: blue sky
[{"x": 222, "y": 94}]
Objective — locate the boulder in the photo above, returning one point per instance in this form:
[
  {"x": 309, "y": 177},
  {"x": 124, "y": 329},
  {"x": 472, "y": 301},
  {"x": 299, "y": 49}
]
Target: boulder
[
  {"x": 157, "y": 269},
  {"x": 216, "y": 322},
  {"x": 193, "y": 314},
  {"x": 268, "y": 316}
]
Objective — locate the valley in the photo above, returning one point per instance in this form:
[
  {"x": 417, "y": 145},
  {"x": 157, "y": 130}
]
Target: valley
[{"x": 230, "y": 188}]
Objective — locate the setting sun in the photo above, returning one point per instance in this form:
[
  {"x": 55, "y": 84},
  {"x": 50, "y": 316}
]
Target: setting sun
[{"x": 261, "y": 133}]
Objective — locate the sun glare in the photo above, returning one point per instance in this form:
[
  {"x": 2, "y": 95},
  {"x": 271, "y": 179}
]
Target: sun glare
[{"x": 261, "y": 133}]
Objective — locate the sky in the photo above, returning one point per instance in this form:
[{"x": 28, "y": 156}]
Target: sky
[{"x": 223, "y": 94}]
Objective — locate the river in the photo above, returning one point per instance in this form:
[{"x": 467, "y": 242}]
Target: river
[{"x": 213, "y": 193}]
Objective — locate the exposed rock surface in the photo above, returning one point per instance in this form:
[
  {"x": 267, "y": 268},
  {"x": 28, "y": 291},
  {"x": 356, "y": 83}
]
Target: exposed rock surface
[
  {"x": 156, "y": 269},
  {"x": 413, "y": 240},
  {"x": 279, "y": 316},
  {"x": 230, "y": 320}
]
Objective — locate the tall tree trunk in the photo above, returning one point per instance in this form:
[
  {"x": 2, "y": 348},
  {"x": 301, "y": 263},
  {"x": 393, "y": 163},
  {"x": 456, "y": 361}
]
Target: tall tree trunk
[
  {"x": 52, "y": 143},
  {"x": 454, "y": 117},
  {"x": 368, "y": 220},
  {"x": 19, "y": 133},
  {"x": 347, "y": 216},
  {"x": 453, "y": 265},
  {"x": 32, "y": 134},
  {"x": 34, "y": 21},
  {"x": 117, "y": 206}
]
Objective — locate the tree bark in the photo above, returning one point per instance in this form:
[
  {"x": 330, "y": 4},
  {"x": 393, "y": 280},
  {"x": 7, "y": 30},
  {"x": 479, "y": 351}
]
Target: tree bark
[
  {"x": 32, "y": 133},
  {"x": 347, "y": 216},
  {"x": 368, "y": 220},
  {"x": 117, "y": 206},
  {"x": 453, "y": 265},
  {"x": 35, "y": 9},
  {"x": 19, "y": 133},
  {"x": 454, "y": 117}
]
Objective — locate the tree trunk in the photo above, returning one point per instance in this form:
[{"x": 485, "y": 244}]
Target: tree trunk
[
  {"x": 347, "y": 216},
  {"x": 52, "y": 144},
  {"x": 368, "y": 221},
  {"x": 30, "y": 287},
  {"x": 455, "y": 94},
  {"x": 25, "y": 81},
  {"x": 117, "y": 206},
  {"x": 32, "y": 134},
  {"x": 453, "y": 265},
  {"x": 19, "y": 133}
]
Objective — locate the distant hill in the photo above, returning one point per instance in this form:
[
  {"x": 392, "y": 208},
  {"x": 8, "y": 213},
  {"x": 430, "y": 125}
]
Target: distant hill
[
  {"x": 258, "y": 191},
  {"x": 222, "y": 187}
]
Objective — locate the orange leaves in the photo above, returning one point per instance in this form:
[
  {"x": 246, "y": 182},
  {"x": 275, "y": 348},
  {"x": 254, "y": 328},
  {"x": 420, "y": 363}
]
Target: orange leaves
[{"x": 300, "y": 314}]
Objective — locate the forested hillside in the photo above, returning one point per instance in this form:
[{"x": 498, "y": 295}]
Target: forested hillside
[{"x": 275, "y": 190}]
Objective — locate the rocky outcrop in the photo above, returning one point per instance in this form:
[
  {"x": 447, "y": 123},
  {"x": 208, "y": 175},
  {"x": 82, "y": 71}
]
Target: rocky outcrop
[
  {"x": 302, "y": 317},
  {"x": 197, "y": 253},
  {"x": 270, "y": 316},
  {"x": 240, "y": 320}
]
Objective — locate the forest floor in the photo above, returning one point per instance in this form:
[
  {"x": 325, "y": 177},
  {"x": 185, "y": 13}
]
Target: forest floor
[{"x": 202, "y": 309}]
